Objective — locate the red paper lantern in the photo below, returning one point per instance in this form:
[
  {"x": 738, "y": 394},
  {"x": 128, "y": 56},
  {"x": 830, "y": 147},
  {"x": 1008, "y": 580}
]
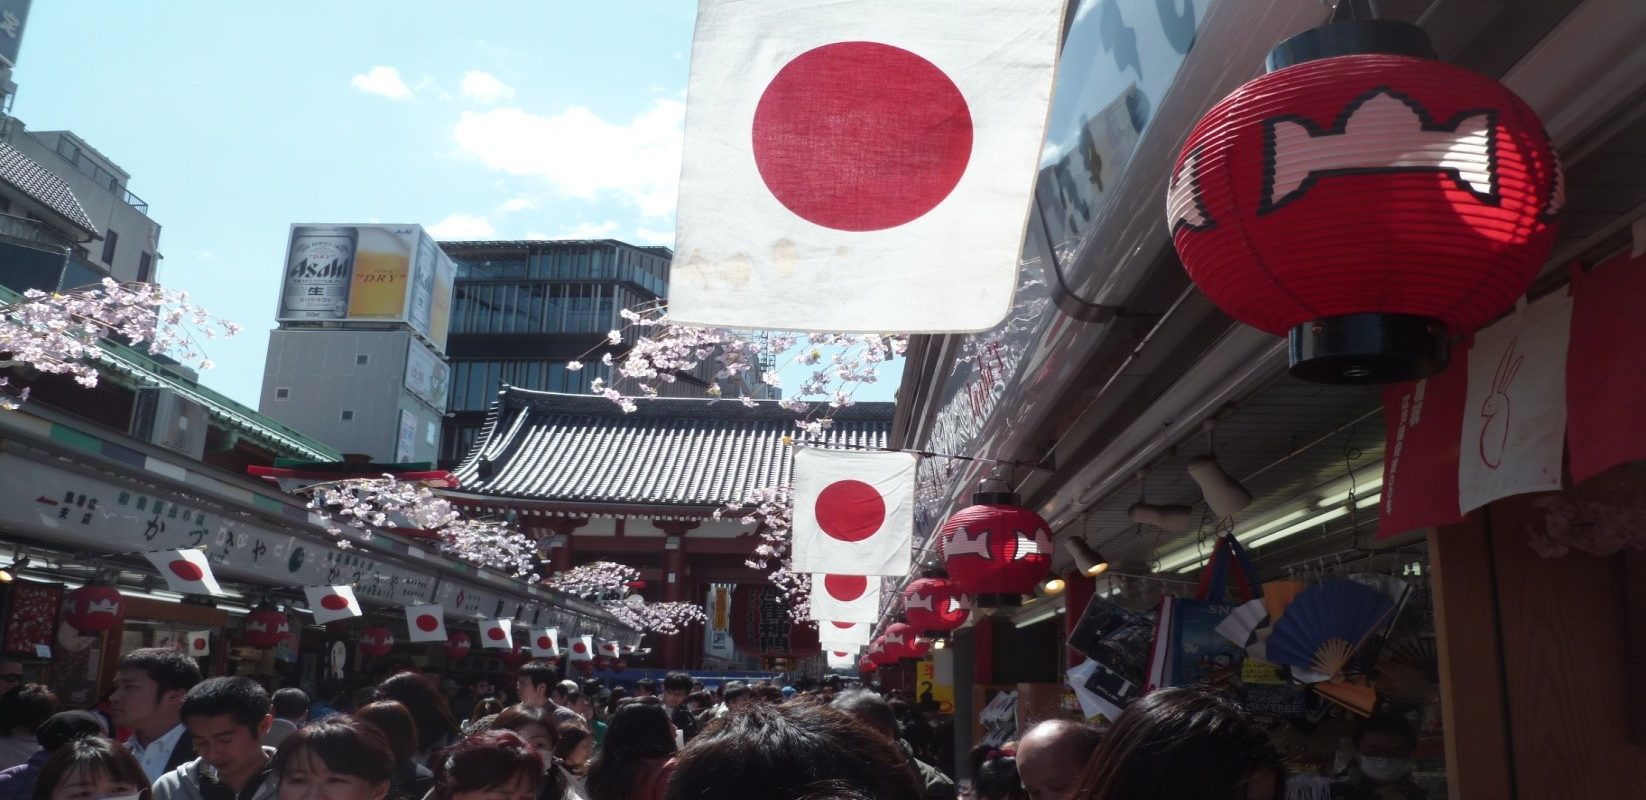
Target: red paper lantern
[
  {"x": 761, "y": 625},
  {"x": 996, "y": 549},
  {"x": 1366, "y": 199},
  {"x": 457, "y": 645},
  {"x": 265, "y": 628},
  {"x": 619, "y": 665},
  {"x": 936, "y": 605},
  {"x": 376, "y": 642},
  {"x": 901, "y": 638},
  {"x": 879, "y": 652},
  {"x": 866, "y": 665},
  {"x": 93, "y": 609},
  {"x": 512, "y": 657}
]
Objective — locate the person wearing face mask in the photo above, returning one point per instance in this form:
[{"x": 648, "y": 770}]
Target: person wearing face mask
[
  {"x": 1383, "y": 765},
  {"x": 92, "y": 768}
]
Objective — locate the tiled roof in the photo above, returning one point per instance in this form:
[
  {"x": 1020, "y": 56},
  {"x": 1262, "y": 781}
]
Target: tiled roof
[
  {"x": 43, "y": 187},
  {"x": 681, "y": 452}
]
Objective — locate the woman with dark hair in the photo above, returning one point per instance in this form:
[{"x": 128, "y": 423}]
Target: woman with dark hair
[
  {"x": 435, "y": 726},
  {"x": 488, "y": 765},
  {"x": 637, "y": 758},
  {"x": 788, "y": 751},
  {"x": 484, "y": 709},
  {"x": 536, "y": 725},
  {"x": 1178, "y": 743},
  {"x": 411, "y": 779},
  {"x": 575, "y": 748},
  {"x": 997, "y": 779},
  {"x": 337, "y": 758},
  {"x": 92, "y": 768}
]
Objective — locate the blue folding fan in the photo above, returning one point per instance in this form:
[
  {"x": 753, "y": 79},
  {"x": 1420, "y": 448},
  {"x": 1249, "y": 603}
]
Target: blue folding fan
[{"x": 1324, "y": 626}]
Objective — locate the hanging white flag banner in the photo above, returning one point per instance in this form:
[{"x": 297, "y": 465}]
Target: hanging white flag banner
[
  {"x": 853, "y": 165},
  {"x": 332, "y": 603},
  {"x": 546, "y": 644},
  {"x": 845, "y": 598},
  {"x": 426, "y": 623},
  {"x": 853, "y": 512},
  {"x": 582, "y": 648},
  {"x": 497, "y": 634},
  {"x": 199, "y": 644},
  {"x": 1514, "y": 418},
  {"x": 835, "y": 634},
  {"x": 842, "y": 659},
  {"x": 185, "y": 571}
]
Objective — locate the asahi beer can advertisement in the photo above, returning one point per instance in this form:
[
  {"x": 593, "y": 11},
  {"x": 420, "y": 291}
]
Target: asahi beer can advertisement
[{"x": 368, "y": 273}]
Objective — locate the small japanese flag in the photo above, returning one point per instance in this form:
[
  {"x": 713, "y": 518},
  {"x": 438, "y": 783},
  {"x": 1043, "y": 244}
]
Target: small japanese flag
[
  {"x": 185, "y": 571},
  {"x": 609, "y": 648},
  {"x": 497, "y": 634},
  {"x": 582, "y": 648},
  {"x": 198, "y": 644},
  {"x": 845, "y": 598},
  {"x": 853, "y": 512},
  {"x": 858, "y": 165},
  {"x": 834, "y": 634},
  {"x": 546, "y": 644},
  {"x": 842, "y": 659},
  {"x": 426, "y": 623},
  {"x": 332, "y": 603}
]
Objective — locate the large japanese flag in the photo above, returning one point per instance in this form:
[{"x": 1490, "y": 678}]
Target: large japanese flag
[
  {"x": 582, "y": 648},
  {"x": 1514, "y": 420},
  {"x": 497, "y": 634},
  {"x": 853, "y": 165},
  {"x": 853, "y": 511},
  {"x": 185, "y": 571},
  {"x": 844, "y": 635},
  {"x": 332, "y": 603},
  {"x": 845, "y": 598},
  {"x": 842, "y": 659},
  {"x": 426, "y": 623}
]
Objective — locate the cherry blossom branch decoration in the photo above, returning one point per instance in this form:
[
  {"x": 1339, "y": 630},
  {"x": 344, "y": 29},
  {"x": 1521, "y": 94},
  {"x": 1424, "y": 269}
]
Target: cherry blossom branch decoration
[
  {"x": 59, "y": 333},
  {"x": 663, "y": 351},
  {"x": 364, "y": 503},
  {"x": 608, "y": 582},
  {"x": 770, "y": 511}
]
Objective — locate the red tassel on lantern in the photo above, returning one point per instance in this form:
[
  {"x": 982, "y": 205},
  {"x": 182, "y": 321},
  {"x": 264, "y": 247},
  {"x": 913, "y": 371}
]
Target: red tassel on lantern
[
  {"x": 1367, "y": 200},
  {"x": 996, "y": 549},
  {"x": 93, "y": 609}
]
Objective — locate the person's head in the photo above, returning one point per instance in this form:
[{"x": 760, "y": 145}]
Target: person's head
[
  {"x": 149, "y": 686},
  {"x": 336, "y": 758},
  {"x": 562, "y": 689},
  {"x": 579, "y": 702},
  {"x": 1384, "y": 744},
  {"x": 698, "y": 701},
  {"x": 66, "y": 726},
  {"x": 768, "y": 693},
  {"x": 1179, "y": 743},
  {"x": 227, "y": 718},
  {"x": 11, "y": 674},
  {"x": 871, "y": 710},
  {"x": 676, "y": 685},
  {"x": 576, "y": 745},
  {"x": 26, "y": 707},
  {"x": 488, "y": 707},
  {"x": 534, "y": 681},
  {"x": 738, "y": 696},
  {"x": 1051, "y": 755},
  {"x": 91, "y": 768},
  {"x": 487, "y": 765},
  {"x": 639, "y": 732},
  {"x": 532, "y": 723},
  {"x": 785, "y": 751},
  {"x": 291, "y": 704},
  {"x": 426, "y": 704},
  {"x": 614, "y": 698},
  {"x": 997, "y": 779},
  {"x": 395, "y": 723},
  {"x": 645, "y": 687}
]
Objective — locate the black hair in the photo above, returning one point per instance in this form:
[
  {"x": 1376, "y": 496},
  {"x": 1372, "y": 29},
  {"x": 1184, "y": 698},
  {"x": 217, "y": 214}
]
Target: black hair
[
  {"x": 646, "y": 685},
  {"x": 169, "y": 669},
  {"x": 677, "y": 682},
  {"x": 240, "y": 699},
  {"x": 997, "y": 779},
  {"x": 26, "y": 708},
  {"x": 738, "y": 692},
  {"x": 540, "y": 673},
  {"x": 484, "y": 760},
  {"x": 516, "y": 718},
  {"x": 638, "y": 733},
  {"x": 1392, "y": 724},
  {"x": 701, "y": 698},
  {"x": 290, "y": 703},
  {"x": 427, "y": 705},
  {"x": 396, "y": 724},
  {"x": 95, "y": 756},
  {"x": 871, "y": 708},
  {"x": 345, "y": 745},
  {"x": 1178, "y": 743}
]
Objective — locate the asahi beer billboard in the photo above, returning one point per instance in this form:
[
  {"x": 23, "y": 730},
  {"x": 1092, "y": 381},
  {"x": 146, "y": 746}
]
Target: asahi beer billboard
[{"x": 368, "y": 273}]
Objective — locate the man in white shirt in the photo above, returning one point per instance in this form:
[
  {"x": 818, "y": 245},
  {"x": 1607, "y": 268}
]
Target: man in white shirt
[{"x": 148, "y": 698}]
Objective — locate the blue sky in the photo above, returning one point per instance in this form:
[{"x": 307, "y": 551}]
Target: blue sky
[{"x": 502, "y": 120}]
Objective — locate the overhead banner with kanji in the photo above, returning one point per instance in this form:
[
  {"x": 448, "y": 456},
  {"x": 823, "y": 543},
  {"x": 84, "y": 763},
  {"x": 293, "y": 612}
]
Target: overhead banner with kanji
[{"x": 852, "y": 165}]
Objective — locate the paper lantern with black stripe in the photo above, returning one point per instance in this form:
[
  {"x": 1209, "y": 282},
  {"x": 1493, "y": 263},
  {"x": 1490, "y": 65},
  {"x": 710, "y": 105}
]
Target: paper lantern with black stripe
[{"x": 1367, "y": 201}]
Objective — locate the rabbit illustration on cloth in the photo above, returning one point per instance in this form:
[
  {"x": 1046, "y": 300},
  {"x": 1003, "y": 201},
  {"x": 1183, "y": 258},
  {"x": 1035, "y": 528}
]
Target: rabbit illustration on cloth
[{"x": 1494, "y": 435}]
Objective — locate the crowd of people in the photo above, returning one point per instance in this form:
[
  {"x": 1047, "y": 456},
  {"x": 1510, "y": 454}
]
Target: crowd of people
[{"x": 168, "y": 733}]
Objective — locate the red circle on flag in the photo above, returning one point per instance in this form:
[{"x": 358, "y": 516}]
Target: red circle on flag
[
  {"x": 840, "y": 653},
  {"x": 187, "y": 570},
  {"x": 334, "y": 602},
  {"x": 199, "y": 644},
  {"x": 427, "y": 622},
  {"x": 845, "y": 587},
  {"x": 861, "y": 136},
  {"x": 850, "y": 511},
  {"x": 494, "y": 634},
  {"x": 579, "y": 648},
  {"x": 543, "y": 643},
  {"x": 842, "y": 625}
]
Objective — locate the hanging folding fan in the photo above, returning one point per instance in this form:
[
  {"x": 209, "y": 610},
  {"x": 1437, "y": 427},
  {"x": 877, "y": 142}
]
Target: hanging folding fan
[
  {"x": 1324, "y": 626},
  {"x": 1418, "y": 653}
]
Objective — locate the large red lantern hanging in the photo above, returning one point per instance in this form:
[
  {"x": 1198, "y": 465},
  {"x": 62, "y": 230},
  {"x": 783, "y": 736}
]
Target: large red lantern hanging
[
  {"x": 866, "y": 665},
  {"x": 457, "y": 645},
  {"x": 935, "y": 606},
  {"x": 762, "y": 626},
  {"x": 995, "y": 549},
  {"x": 879, "y": 652},
  {"x": 1367, "y": 200},
  {"x": 902, "y": 641},
  {"x": 93, "y": 609},
  {"x": 376, "y": 642},
  {"x": 266, "y": 627}
]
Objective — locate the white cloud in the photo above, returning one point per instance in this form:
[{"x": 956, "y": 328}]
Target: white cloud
[
  {"x": 644, "y": 235},
  {"x": 582, "y": 155},
  {"x": 461, "y": 227},
  {"x": 385, "y": 81},
  {"x": 588, "y": 230},
  {"x": 514, "y": 204},
  {"x": 485, "y": 87}
]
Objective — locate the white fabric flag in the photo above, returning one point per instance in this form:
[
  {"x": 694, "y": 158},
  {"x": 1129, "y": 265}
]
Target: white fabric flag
[
  {"x": 332, "y": 603},
  {"x": 185, "y": 571},
  {"x": 842, "y": 659},
  {"x": 835, "y": 634},
  {"x": 1514, "y": 419},
  {"x": 845, "y": 598},
  {"x": 853, "y": 165},
  {"x": 582, "y": 648},
  {"x": 853, "y": 511},
  {"x": 546, "y": 644},
  {"x": 497, "y": 634},
  {"x": 199, "y": 644},
  {"x": 610, "y": 648},
  {"x": 426, "y": 623}
]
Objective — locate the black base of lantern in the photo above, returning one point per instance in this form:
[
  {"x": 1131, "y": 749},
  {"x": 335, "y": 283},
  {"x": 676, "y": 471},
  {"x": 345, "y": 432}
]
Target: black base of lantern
[
  {"x": 997, "y": 600},
  {"x": 1365, "y": 349},
  {"x": 1355, "y": 37}
]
